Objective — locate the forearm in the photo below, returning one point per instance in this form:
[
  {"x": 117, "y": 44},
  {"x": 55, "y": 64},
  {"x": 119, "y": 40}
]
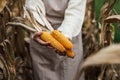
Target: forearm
[{"x": 73, "y": 19}]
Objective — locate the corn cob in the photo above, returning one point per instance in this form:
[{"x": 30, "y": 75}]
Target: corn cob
[
  {"x": 62, "y": 39},
  {"x": 70, "y": 53},
  {"x": 45, "y": 36}
]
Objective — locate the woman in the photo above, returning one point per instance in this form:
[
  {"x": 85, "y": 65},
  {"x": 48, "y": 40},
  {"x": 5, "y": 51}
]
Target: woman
[{"x": 66, "y": 16}]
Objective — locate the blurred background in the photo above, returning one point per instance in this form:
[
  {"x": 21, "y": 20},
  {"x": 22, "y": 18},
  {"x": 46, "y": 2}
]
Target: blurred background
[{"x": 101, "y": 28}]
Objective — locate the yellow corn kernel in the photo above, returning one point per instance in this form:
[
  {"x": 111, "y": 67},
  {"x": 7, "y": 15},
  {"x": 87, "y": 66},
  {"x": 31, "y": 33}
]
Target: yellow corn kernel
[
  {"x": 70, "y": 53},
  {"x": 62, "y": 39},
  {"x": 45, "y": 36}
]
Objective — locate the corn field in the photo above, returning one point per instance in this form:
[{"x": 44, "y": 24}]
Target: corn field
[{"x": 100, "y": 32}]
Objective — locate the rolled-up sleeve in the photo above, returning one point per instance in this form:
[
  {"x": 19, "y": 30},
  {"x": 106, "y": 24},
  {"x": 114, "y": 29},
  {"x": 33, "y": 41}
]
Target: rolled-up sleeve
[{"x": 73, "y": 19}]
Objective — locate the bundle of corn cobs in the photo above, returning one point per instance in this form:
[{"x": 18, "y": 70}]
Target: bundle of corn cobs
[{"x": 57, "y": 39}]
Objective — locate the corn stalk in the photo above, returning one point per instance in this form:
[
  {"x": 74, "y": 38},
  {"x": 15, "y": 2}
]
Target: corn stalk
[
  {"x": 14, "y": 52},
  {"x": 105, "y": 71}
]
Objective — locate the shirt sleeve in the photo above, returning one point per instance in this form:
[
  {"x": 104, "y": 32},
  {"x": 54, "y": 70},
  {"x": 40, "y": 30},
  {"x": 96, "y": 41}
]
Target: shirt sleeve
[{"x": 73, "y": 19}]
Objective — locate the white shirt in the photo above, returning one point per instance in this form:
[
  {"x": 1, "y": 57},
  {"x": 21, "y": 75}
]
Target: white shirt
[{"x": 74, "y": 13}]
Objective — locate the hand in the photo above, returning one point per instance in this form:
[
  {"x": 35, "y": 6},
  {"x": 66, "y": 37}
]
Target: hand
[
  {"x": 36, "y": 37},
  {"x": 60, "y": 53}
]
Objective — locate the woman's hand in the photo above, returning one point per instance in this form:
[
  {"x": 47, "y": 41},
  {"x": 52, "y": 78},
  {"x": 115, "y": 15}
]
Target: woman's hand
[{"x": 36, "y": 37}]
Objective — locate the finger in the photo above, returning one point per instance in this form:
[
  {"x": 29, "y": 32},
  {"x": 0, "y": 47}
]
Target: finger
[
  {"x": 49, "y": 46},
  {"x": 42, "y": 42},
  {"x": 60, "y": 53},
  {"x": 37, "y": 34}
]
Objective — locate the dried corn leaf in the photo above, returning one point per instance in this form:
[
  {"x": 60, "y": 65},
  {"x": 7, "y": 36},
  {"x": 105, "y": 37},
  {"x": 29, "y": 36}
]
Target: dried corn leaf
[
  {"x": 17, "y": 24},
  {"x": 108, "y": 55},
  {"x": 104, "y": 9},
  {"x": 4, "y": 71},
  {"x": 2, "y": 4},
  {"x": 48, "y": 25},
  {"x": 113, "y": 18}
]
